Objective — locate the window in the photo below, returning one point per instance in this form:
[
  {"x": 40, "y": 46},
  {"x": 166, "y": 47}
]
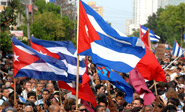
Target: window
[{"x": 3, "y": 3}]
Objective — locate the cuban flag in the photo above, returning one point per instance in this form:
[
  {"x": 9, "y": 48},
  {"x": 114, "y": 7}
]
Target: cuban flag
[
  {"x": 104, "y": 73},
  {"x": 61, "y": 50},
  {"x": 105, "y": 45},
  {"x": 29, "y": 63},
  {"x": 177, "y": 50},
  {"x": 153, "y": 37}
]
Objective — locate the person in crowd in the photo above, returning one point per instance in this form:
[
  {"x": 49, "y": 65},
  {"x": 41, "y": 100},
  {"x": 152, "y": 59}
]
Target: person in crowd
[
  {"x": 148, "y": 108},
  {"x": 31, "y": 96},
  {"x": 54, "y": 108},
  {"x": 27, "y": 88},
  {"x": 39, "y": 89},
  {"x": 10, "y": 109},
  {"x": 127, "y": 106},
  {"x": 120, "y": 100},
  {"x": 82, "y": 108},
  {"x": 28, "y": 109},
  {"x": 5, "y": 95},
  {"x": 168, "y": 78},
  {"x": 50, "y": 87},
  {"x": 99, "y": 89},
  {"x": 99, "y": 108},
  {"x": 138, "y": 102}
]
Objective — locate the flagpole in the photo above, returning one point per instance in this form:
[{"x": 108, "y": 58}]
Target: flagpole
[
  {"x": 77, "y": 75},
  {"x": 60, "y": 96},
  {"x": 15, "y": 102},
  {"x": 37, "y": 94},
  {"x": 77, "y": 82}
]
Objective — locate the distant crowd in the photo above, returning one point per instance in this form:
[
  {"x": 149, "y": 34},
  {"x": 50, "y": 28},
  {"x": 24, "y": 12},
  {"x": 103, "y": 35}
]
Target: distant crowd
[{"x": 44, "y": 96}]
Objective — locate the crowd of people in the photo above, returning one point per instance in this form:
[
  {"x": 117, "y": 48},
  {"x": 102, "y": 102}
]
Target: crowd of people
[{"x": 45, "y": 96}]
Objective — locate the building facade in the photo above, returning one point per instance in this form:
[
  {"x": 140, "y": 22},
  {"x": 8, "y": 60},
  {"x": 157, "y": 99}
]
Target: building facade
[{"x": 98, "y": 9}]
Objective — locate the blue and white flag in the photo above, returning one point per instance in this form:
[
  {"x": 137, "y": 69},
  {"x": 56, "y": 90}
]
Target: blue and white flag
[
  {"x": 105, "y": 45},
  {"x": 104, "y": 73},
  {"x": 29, "y": 63},
  {"x": 66, "y": 52},
  {"x": 177, "y": 50},
  {"x": 153, "y": 37}
]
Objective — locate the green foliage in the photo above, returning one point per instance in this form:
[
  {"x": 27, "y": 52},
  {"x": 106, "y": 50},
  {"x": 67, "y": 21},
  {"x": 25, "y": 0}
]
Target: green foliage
[
  {"x": 135, "y": 33},
  {"x": 50, "y": 7},
  {"x": 9, "y": 14},
  {"x": 5, "y": 42},
  {"x": 48, "y": 26}
]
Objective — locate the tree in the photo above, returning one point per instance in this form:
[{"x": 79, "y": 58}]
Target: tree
[
  {"x": 8, "y": 18},
  {"x": 173, "y": 20}
]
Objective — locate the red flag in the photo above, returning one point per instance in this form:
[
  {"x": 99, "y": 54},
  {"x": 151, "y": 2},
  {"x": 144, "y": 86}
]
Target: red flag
[
  {"x": 137, "y": 81},
  {"x": 85, "y": 91},
  {"x": 145, "y": 38},
  {"x": 148, "y": 66}
]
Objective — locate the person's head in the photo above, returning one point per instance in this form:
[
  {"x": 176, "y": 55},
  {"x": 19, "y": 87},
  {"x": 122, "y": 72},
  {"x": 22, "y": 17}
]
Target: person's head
[
  {"x": 103, "y": 104},
  {"x": 119, "y": 98},
  {"x": 169, "y": 108},
  {"x": 10, "y": 109},
  {"x": 28, "y": 109},
  {"x": 135, "y": 95},
  {"x": 180, "y": 80},
  {"x": 56, "y": 95},
  {"x": 19, "y": 106},
  {"x": 181, "y": 88},
  {"x": 45, "y": 94},
  {"x": 82, "y": 108},
  {"x": 100, "y": 89},
  {"x": 127, "y": 106},
  {"x": 5, "y": 92},
  {"x": 39, "y": 87},
  {"x": 54, "y": 108},
  {"x": 138, "y": 102},
  {"x": 8, "y": 78},
  {"x": 99, "y": 108},
  {"x": 168, "y": 78},
  {"x": 5, "y": 104},
  {"x": 31, "y": 96},
  {"x": 148, "y": 108},
  {"x": 102, "y": 97},
  {"x": 28, "y": 85},
  {"x": 50, "y": 87}
]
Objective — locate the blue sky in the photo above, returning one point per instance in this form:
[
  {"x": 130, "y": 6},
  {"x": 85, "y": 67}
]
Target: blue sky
[{"x": 116, "y": 11}]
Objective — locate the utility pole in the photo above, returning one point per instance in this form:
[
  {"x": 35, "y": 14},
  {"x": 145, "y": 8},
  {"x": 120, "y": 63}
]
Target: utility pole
[
  {"x": 32, "y": 16},
  {"x": 28, "y": 22}
]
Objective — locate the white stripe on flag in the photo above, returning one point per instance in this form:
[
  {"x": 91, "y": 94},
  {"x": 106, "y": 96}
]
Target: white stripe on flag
[{"x": 111, "y": 55}]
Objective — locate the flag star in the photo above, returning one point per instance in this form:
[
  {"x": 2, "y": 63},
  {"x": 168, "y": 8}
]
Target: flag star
[
  {"x": 86, "y": 30},
  {"x": 16, "y": 57},
  {"x": 43, "y": 53}
]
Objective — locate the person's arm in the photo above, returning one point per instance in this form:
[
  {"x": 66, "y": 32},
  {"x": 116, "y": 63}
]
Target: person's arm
[{"x": 111, "y": 105}]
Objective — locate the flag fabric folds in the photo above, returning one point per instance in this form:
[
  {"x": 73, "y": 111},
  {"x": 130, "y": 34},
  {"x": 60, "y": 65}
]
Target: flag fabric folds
[
  {"x": 148, "y": 66},
  {"x": 137, "y": 81},
  {"x": 61, "y": 50},
  {"x": 105, "y": 73},
  {"x": 105, "y": 45},
  {"x": 153, "y": 37},
  {"x": 177, "y": 50},
  {"x": 29, "y": 63}
]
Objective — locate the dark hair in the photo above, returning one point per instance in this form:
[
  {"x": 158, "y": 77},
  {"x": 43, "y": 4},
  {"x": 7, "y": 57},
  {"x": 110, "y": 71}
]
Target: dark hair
[
  {"x": 125, "y": 104},
  {"x": 31, "y": 93},
  {"x": 96, "y": 108},
  {"x": 45, "y": 90},
  {"x": 140, "y": 100},
  {"x": 121, "y": 94},
  {"x": 103, "y": 102},
  {"x": 4, "y": 89},
  {"x": 102, "y": 97},
  {"x": 169, "y": 108},
  {"x": 98, "y": 86}
]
